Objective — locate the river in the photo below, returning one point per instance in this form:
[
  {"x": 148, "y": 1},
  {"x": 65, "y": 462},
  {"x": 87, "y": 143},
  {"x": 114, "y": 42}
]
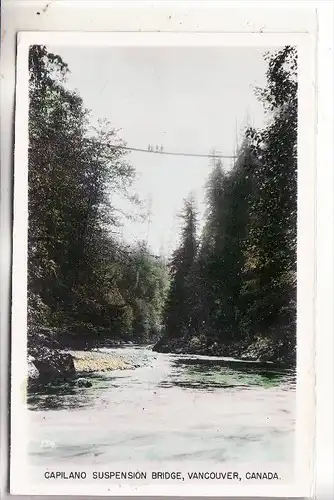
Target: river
[{"x": 172, "y": 408}]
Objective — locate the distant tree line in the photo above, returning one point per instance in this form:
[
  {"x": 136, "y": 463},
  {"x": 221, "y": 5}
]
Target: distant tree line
[
  {"x": 236, "y": 281},
  {"x": 82, "y": 278}
]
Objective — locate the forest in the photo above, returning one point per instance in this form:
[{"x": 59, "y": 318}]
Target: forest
[{"x": 229, "y": 289}]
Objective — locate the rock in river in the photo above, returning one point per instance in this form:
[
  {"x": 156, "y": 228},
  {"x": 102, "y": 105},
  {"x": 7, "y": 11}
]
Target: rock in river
[
  {"x": 33, "y": 373},
  {"x": 54, "y": 364},
  {"x": 82, "y": 382},
  {"x": 45, "y": 359}
]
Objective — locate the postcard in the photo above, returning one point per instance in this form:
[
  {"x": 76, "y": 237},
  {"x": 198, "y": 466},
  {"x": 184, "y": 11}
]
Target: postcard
[{"x": 162, "y": 321}]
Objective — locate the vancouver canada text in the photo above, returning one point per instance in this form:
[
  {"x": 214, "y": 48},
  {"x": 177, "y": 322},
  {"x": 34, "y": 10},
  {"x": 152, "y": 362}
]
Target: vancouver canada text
[{"x": 162, "y": 263}]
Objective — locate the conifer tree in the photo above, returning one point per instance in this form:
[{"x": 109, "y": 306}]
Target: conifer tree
[
  {"x": 270, "y": 270},
  {"x": 179, "y": 300}
]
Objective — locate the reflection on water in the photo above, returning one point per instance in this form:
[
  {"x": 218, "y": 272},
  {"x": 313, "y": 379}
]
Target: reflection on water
[
  {"x": 60, "y": 394},
  {"x": 174, "y": 407},
  {"x": 203, "y": 373},
  {"x": 209, "y": 374}
]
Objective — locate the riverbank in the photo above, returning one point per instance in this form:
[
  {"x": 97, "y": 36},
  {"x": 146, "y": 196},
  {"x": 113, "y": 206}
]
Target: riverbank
[
  {"x": 50, "y": 359},
  {"x": 262, "y": 349},
  {"x": 95, "y": 361}
]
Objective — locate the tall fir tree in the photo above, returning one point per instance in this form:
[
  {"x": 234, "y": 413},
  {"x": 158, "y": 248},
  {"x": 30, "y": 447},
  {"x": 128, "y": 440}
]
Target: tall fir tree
[
  {"x": 178, "y": 310},
  {"x": 270, "y": 269}
]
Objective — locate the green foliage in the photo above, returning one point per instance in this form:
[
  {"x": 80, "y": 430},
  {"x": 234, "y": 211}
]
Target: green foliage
[
  {"x": 272, "y": 243},
  {"x": 80, "y": 275},
  {"x": 240, "y": 284},
  {"x": 144, "y": 284},
  {"x": 179, "y": 304},
  {"x": 233, "y": 285}
]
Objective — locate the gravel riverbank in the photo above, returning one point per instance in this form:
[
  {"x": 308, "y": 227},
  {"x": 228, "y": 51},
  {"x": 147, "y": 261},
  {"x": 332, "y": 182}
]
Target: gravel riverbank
[
  {"x": 96, "y": 361},
  {"x": 49, "y": 359}
]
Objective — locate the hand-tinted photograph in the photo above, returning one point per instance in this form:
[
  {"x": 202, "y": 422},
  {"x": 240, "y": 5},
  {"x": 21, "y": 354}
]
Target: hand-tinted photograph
[{"x": 162, "y": 258}]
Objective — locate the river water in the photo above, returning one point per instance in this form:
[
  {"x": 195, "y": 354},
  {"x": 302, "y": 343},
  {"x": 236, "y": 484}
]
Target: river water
[{"x": 172, "y": 408}]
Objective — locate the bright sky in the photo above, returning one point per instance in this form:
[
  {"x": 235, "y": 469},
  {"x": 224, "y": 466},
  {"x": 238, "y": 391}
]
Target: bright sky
[{"x": 189, "y": 100}]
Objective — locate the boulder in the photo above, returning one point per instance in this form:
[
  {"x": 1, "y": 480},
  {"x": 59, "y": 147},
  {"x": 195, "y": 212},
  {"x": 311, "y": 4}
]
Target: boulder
[
  {"x": 45, "y": 358},
  {"x": 33, "y": 373},
  {"x": 82, "y": 382},
  {"x": 52, "y": 364}
]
